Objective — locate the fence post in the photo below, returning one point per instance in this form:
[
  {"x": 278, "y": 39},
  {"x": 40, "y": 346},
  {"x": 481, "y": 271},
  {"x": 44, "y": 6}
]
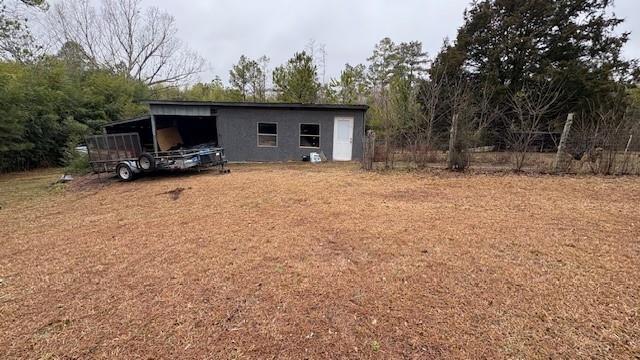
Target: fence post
[
  {"x": 369, "y": 150},
  {"x": 558, "y": 163},
  {"x": 625, "y": 158},
  {"x": 453, "y": 138}
]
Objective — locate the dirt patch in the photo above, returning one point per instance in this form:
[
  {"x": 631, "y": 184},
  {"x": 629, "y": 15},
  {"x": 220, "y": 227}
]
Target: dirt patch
[
  {"x": 175, "y": 193},
  {"x": 302, "y": 261},
  {"x": 91, "y": 182},
  {"x": 53, "y": 328}
]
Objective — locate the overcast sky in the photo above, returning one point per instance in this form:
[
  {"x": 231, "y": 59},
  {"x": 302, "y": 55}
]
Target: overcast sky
[{"x": 222, "y": 30}]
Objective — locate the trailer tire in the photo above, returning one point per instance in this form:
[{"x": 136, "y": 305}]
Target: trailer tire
[
  {"x": 146, "y": 162},
  {"x": 124, "y": 172}
]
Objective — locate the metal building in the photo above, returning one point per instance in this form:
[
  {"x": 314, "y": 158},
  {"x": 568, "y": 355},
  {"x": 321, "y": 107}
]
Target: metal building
[{"x": 252, "y": 131}]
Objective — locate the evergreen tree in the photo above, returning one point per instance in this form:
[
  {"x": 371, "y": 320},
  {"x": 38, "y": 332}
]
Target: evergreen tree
[
  {"x": 352, "y": 85},
  {"x": 390, "y": 60},
  {"x": 383, "y": 62},
  {"x": 248, "y": 78},
  {"x": 12, "y": 120},
  {"x": 212, "y": 91},
  {"x": 509, "y": 43},
  {"x": 46, "y": 107},
  {"x": 16, "y": 41},
  {"x": 297, "y": 80},
  {"x": 240, "y": 76}
]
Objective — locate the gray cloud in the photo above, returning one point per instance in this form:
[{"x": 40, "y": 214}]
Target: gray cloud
[{"x": 222, "y": 30}]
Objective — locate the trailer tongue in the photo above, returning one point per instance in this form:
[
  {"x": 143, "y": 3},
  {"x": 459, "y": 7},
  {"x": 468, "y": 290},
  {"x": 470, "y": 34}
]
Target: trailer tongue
[{"x": 123, "y": 154}]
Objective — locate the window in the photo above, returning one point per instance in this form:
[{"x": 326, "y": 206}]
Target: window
[
  {"x": 310, "y": 135},
  {"x": 267, "y": 134}
]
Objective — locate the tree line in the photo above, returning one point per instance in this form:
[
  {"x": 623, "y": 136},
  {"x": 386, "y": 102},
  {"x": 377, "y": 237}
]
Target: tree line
[{"x": 515, "y": 69}]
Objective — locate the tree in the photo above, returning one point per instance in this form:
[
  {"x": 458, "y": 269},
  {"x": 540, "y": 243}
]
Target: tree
[
  {"x": 390, "y": 59},
  {"x": 124, "y": 37},
  {"x": 431, "y": 99},
  {"x": 413, "y": 60},
  {"x": 352, "y": 86},
  {"x": 395, "y": 113},
  {"x": 297, "y": 80},
  {"x": 239, "y": 75},
  {"x": 384, "y": 117},
  {"x": 318, "y": 53},
  {"x": 212, "y": 91},
  {"x": 16, "y": 41},
  {"x": 604, "y": 135},
  {"x": 530, "y": 107},
  {"x": 509, "y": 42},
  {"x": 42, "y": 4},
  {"x": 393, "y": 78},
  {"x": 383, "y": 63},
  {"x": 48, "y": 105},
  {"x": 248, "y": 78},
  {"x": 12, "y": 122},
  {"x": 461, "y": 129},
  {"x": 258, "y": 76},
  {"x": 74, "y": 57}
]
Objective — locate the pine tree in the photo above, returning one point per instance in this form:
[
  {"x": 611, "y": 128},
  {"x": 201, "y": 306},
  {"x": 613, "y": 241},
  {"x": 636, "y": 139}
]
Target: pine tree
[
  {"x": 511, "y": 42},
  {"x": 297, "y": 80},
  {"x": 352, "y": 85}
]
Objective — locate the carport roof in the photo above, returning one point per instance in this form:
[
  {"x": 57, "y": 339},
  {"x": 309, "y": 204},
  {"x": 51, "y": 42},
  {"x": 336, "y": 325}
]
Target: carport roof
[
  {"x": 240, "y": 105},
  {"x": 128, "y": 121},
  {"x": 260, "y": 105}
]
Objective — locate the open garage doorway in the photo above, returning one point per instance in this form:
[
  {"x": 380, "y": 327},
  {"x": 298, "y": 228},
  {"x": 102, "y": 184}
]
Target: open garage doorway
[
  {"x": 172, "y": 132},
  {"x": 186, "y": 131}
]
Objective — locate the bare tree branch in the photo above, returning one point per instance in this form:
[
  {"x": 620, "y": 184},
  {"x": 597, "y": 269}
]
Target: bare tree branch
[
  {"x": 530, "y": 107},
  {"x": 122, "y": 36}
]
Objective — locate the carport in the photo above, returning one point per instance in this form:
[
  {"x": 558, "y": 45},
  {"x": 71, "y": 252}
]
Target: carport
[{"x": 169, "y": 130}]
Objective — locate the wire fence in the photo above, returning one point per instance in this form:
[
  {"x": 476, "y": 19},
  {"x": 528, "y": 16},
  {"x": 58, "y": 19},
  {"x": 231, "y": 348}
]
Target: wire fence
[{"x": 540, "y": 157}]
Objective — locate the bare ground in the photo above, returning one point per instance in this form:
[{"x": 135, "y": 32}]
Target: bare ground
[{"x": 277, "y": 261}]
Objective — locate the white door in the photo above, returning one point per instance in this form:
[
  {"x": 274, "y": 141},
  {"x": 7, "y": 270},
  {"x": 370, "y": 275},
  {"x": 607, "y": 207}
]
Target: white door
[{"x": 342, "y": 138}]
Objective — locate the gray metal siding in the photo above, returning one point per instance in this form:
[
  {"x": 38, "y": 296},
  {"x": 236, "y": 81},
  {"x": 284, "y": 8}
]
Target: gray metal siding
[
  {"x": 237, "y": 132},
  {"x": 181, "y": 110}
]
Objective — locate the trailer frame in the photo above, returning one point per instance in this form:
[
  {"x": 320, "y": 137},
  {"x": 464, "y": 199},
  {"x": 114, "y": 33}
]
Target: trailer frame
[{"x": 123, "y": 153}]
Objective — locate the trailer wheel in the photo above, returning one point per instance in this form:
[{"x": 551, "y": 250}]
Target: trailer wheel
[
  {"x": 146, "y": 162},
  {"x": 124, "y": 172}
]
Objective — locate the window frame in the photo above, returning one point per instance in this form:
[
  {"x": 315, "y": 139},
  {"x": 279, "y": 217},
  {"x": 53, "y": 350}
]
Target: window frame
[
  {"x": 300, "y": 135},
  {"x": 258, "y": 134}
]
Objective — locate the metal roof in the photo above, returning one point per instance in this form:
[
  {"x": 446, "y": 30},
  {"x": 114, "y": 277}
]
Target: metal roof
[
  {"x": 127, "y": 121},
  {"x": 240, "y": 105},
  {"x": 260, "y": 105}
]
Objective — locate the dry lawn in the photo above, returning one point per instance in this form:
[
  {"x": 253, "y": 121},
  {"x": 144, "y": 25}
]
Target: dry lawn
[{"x": 292, "y": 262}]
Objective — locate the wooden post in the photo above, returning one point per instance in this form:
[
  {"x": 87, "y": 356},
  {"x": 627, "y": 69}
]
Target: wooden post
[
  {"x": 563, "y": 144},
  {"x": 626, "y": 149},
  {"x": 369, "y": 150},
  {"x": 453, "y": 138},
  {"x": 625, "y": 158}
]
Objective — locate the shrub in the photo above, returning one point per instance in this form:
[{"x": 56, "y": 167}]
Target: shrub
[{"x": 78, "y": 164}]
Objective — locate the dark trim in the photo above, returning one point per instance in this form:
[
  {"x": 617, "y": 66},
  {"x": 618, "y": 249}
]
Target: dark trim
[
  {"x": 319, "y": 136},
  {"x": 260, "y": 105},
  {"x": 128, "y": 121},
  {"x": 258, "y": 134},
  {"x": 240, "y": 105}
]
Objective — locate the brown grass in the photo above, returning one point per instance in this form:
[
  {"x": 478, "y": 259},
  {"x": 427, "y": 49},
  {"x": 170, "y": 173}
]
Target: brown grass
[
  {"x": 535, "y": 162},
  {"x": 27, "y": 185},
  {"x": 278, "y": 261}
]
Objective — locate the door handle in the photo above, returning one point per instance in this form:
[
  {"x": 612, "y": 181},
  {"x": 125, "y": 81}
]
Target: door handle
[{"x": 350, "y": 140}]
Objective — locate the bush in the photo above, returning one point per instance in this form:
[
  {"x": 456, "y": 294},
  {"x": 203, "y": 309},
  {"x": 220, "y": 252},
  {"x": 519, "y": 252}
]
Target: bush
[
  {"x": 458, "y": 160},
  {"x": 78, "y": 165}
]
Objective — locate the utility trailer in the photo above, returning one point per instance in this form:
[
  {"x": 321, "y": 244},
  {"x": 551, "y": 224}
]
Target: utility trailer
[{"x": 123, "y": 153}]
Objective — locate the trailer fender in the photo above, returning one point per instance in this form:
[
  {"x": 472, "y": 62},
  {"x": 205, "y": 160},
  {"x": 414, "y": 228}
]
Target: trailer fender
[{"x": 125, "y": 171}]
